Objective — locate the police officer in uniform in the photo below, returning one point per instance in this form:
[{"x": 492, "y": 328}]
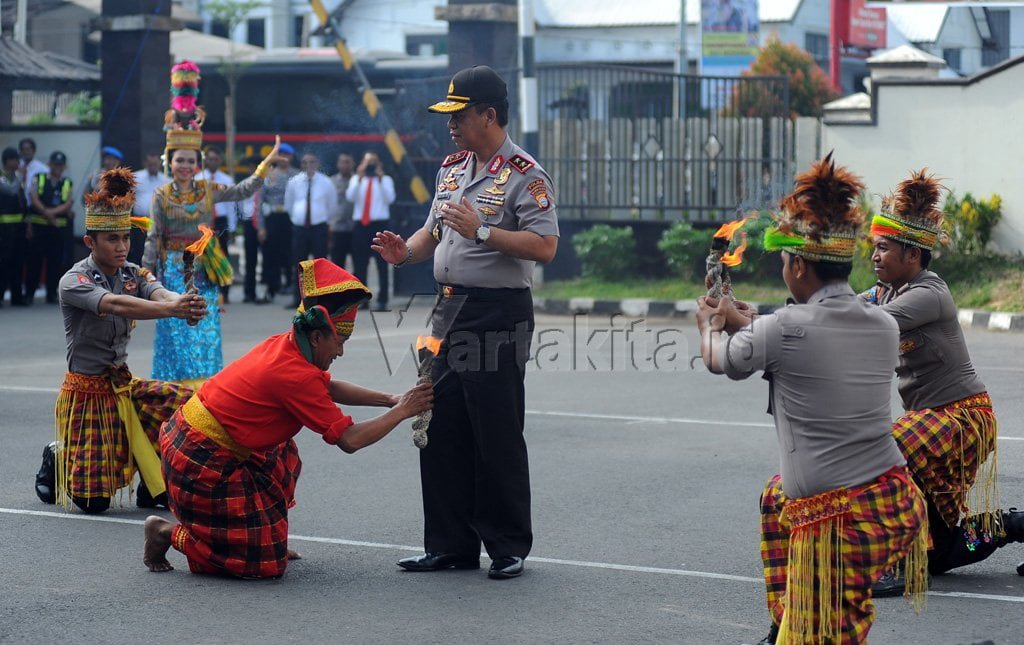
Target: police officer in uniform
[
  {"x": 492, "y": 218},
  {"x": 50, "y": 223}
]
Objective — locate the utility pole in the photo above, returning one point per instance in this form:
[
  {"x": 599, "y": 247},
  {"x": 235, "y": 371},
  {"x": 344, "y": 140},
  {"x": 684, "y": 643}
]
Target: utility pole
[
  {"x": 528, "y": 79},
  {"x": 136, "y": 56},
  {"x": 839, "y": 26},
  {"x": 21, "y": 23}
]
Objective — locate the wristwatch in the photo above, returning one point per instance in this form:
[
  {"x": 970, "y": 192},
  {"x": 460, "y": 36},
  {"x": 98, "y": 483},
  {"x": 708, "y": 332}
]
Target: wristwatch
[{"x": 483, "y": 233}]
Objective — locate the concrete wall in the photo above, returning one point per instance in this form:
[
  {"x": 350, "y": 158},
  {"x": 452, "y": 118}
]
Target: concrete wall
[
  {"x": 968, "y": 132},
  {"x": 82, "y": 149}
]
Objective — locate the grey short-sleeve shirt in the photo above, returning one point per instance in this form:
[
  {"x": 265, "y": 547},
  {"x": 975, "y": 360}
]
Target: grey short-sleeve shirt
[
  {"x": 97, "y": 342},
  {"x": 830, "y": 365},
  {"x": 510, "y": 191}
]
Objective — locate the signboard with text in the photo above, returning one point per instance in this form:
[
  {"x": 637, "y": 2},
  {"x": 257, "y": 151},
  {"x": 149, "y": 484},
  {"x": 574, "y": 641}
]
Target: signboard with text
[
  {"x": 867, "y": 26},
  {"x": 729, "y": 36}
]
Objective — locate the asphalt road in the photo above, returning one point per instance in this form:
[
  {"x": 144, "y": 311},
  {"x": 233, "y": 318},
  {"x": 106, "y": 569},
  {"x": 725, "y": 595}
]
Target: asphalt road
[{"x": 646, "y": 475}]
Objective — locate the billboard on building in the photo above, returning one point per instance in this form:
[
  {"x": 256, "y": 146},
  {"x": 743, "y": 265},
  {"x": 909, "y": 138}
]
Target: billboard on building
[
  {"x": 729, "y": 36},
  {"x": 867, "y": 26}
]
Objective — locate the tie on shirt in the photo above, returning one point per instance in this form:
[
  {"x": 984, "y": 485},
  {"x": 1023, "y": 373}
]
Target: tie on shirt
[
  {"x": 367, "y": 201},
  {"x": 309, "y": 200}
]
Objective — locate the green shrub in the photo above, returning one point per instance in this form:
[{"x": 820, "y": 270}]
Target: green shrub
[
  {"x": 682, "y": 245},
  {"x": 969, "y": 222},
  {"x": 88, "y": 110},
  {"x": 606, "y": 252}
]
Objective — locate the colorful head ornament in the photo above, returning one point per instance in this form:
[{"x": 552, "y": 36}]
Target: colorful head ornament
[
  {"x": 110, "y": 207},
  {"x": 911, "y": 214},
  {"x": 820, "y": 219},
  {"x": 330, "y": 298},
  {"x": 184, "y": 121}
]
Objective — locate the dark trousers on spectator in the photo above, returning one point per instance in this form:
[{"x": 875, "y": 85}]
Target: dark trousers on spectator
[
  {"x": 252, "y": 249},
  {"x": 47, "y": 245},
  {"x": 277, "y": 252},
  {"x": 307, "y": 242},
  {"x": 362, "y": 237},
  {"x": 138, "y": 244},
  {"x": 341, "y": 245},
  {"x": 12, "y": 260}
]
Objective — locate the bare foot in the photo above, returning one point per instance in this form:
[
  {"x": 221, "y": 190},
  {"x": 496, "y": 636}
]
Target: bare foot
[
  {"x": 294, "y": 555},
  {"x": 157, "y": 542}
]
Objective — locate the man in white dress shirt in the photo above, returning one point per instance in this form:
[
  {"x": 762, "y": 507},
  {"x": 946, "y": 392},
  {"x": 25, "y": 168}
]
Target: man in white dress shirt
[
  {"x": 310, "y": 199},
  {"x": 371, "y": 193}
]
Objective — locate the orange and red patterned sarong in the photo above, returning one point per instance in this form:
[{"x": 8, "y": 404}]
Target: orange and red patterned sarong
[
  {"x": 93, "y": 455},
  {"x": 821, "y": 554},
  {"x": 231, "y": 504}
]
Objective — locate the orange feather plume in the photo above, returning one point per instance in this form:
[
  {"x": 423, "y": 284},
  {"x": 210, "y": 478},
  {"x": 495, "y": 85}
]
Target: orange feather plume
[
  {"x": 825, "y": 199},
  {"x": 917, "y": 198},
  {"x": 116, "y": 191}
]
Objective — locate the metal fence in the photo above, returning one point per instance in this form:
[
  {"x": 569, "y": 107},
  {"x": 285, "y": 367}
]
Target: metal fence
[
  {"x": 627, "y": 143},
  {"x": 624, "y": 143}
]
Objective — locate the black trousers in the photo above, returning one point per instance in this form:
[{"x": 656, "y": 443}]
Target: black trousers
[
  {"x": 252, "y": 249},
  {"x": 277, "y": 252},
  {"x": 475, "y": 470},
  {"x": 307, "y": 242},
  {"x": 138, "y": 245},
  {"x": 12, "y": 260},
  {"x": 362, "y": 237},
  {"x": 46, "y": 246},
  {"x": 341, "y": 245},
  {"x": 949, "y": 544}
]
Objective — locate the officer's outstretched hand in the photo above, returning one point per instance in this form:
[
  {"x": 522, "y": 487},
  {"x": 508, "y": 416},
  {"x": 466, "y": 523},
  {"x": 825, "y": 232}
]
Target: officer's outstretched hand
[
  {"x": 271, "y": 157},
  {"x": 418, "y": 399},
  {"x": 391, "y": 247},
  {"x": 190, "y": 306}
]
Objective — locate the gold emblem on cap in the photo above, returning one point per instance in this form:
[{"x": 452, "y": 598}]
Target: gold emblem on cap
[{"x": 451, "y": 87}]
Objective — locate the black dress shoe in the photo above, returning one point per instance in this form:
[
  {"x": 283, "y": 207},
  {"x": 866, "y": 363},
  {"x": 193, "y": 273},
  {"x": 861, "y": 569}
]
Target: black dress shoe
[
  {"x": 505, "y": 567},
  {"x": 773, "y": 635},
  {"x": 144, "y": 499},
  {"x": 46, "y": 478},
  {"x": 1013, "y": 524},
  {"x": 439, "y": 561}
]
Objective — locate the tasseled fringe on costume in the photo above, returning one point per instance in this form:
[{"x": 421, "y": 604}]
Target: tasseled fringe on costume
[
  {"x": 814, "y": 585},
  {"x": 915, "y": 569},
  {"x": 982, "y": 510},
  {"x": 217, "y": 266},
  {"x": 97, "y": 405}
]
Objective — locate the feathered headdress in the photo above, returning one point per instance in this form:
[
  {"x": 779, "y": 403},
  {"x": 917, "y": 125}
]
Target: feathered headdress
[
  {"x": 184, "y": 121},
  {"x": 110, "y": 207},
  {"x": 911, "y": 214},
  {"x": 820, "y": 219}
]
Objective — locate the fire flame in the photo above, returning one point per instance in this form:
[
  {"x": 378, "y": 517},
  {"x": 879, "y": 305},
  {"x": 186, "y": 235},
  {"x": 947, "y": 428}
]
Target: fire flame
[
  {"x": 197, "y": 247},
  {"x": 429, "y": 343},
  {"x": 727, "y": 230},
  {"x": 734, "y": 258}
]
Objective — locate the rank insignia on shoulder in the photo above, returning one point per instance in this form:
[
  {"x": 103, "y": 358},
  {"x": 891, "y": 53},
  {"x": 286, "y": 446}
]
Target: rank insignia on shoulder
[
  {"x": 496, "y": 163},
  {"x": 520, "y": 163},
  {"x": 488, "y": 211},
  {"x": 454, "y": 158},
  {"x": 503, "y": 176}
]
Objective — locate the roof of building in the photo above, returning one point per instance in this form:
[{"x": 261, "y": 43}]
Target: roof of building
[
  {"x": 917, "y": 22},
  {"x": 19, "y": 61},
  {"x": 906, "y": 55},
  {"x": 191, "y": 44},
  {"x": 617, "y": 13}
]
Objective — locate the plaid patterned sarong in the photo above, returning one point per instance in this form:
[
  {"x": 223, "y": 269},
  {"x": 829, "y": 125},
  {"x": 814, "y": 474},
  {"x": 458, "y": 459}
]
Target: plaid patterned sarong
[
  {"x": 93, "y": 457},
  {"x": 881, "y": 522},
  {"x": 951, "y": 452},
  {"x": 232, "y": 513}
]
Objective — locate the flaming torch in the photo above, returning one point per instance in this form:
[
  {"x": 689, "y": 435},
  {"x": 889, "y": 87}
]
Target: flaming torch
[
  {"x": 188, "y": 257},
  {"x": 718, "y": 281},
  {"x": 419, "y": 425}
]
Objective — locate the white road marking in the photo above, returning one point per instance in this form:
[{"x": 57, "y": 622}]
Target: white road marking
[
  {"x": 572, "y": 563},
  {"x": 551, "y": 413}
]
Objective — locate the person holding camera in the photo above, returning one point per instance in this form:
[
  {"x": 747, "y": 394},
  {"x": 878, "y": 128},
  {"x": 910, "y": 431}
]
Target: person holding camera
[{"x": 371, "y": 192}]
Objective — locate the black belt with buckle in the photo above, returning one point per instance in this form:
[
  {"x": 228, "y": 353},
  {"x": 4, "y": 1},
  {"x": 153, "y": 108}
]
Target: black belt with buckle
[{"x": 449, "y": 290}]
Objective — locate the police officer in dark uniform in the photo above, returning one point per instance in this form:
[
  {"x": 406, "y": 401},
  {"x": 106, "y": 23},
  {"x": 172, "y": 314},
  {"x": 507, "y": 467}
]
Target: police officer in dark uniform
[
  {"x": 492, "y": 219},
  {"x": 12, "y": 227},
  {"x": 50, "y": 222}
]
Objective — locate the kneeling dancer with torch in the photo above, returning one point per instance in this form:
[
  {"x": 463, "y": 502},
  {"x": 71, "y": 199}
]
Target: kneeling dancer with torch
[{"x": 844, "y": 508}]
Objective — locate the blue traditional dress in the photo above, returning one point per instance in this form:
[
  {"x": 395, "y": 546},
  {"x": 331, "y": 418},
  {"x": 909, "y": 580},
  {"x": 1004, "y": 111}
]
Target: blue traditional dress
[{"x": 183, "y": 353}]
